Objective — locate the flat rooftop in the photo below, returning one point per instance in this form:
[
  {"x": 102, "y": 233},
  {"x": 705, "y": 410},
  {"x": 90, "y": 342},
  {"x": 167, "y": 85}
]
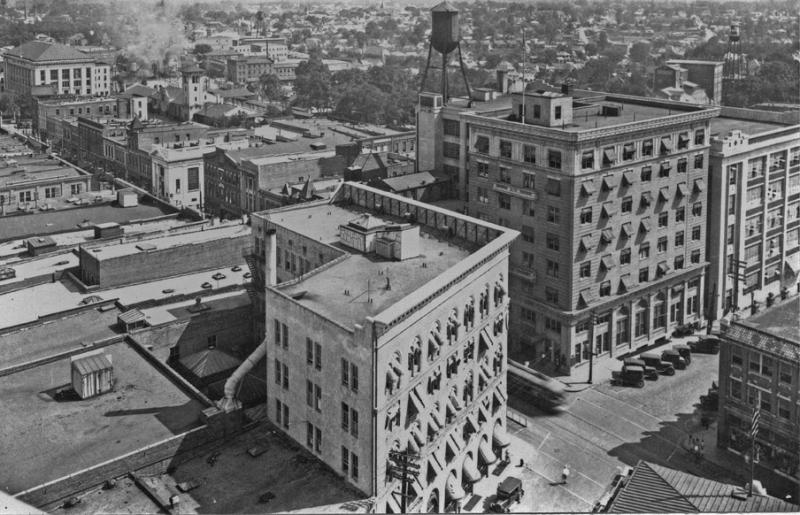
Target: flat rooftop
[
  {"x": 782, "y": 320},
  {"x": 180, "y": 310},
  {"x": 14, "y": 177},
  {"x": 166, "y": 242},
  {"x": 365, "y": 276},
  {"x": 68, "y": 332},
  {"x": 63, "y": 220},
  {"x": 722, "y": 125},
  {"x": 44, "y": 438},
  {"x": 40, "y": 266}
]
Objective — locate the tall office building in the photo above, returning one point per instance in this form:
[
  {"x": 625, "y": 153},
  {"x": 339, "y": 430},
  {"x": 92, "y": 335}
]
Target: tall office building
[
  {"x": 609, "y": 193},
  {"x": 754, "y": 209},
  {"x": 386, "y": 331}
]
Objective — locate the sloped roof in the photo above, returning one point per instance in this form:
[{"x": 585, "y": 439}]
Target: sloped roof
[
  {"x": 410, "y": 181},
  {"x": 137, "y": 90},
  {"x": 218, "y": 110},
  {"x": 41, "y": 51},
  {"x": 233, "y": 93},
  {"x": 444, "y": 7},
  {"x": 656, "y": 489},
  {"x": 209, "y": 362}
]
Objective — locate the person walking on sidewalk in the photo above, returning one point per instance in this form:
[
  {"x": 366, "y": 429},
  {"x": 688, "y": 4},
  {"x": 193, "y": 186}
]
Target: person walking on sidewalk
[{"x": 565, "y": 474}]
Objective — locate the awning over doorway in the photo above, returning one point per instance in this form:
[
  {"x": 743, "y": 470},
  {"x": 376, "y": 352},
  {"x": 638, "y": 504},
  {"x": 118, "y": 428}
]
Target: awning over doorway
[
  {"x": 485, "y": 452},
  {"x": 499, "y": 436},
  {"x": 470, "y": 471},
  {"x": 453, "y": 489}
]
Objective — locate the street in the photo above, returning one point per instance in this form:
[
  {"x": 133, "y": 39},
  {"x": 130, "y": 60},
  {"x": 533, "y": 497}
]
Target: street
[{"x": 605, "y": 428}]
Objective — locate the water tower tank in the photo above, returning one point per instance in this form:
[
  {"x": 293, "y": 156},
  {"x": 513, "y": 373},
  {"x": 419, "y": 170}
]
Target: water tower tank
[{"x": 445, "y": 31}]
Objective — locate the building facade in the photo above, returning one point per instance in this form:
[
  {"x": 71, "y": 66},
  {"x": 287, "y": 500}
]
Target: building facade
[
  {"x": 64, "y": 70},
  {"x": 178, "y": 173},
  {"x": 412, "y": 361},
  {"x": 754, "y": 210},
  {"x": 610, "y": 195},
  {"x": 243, "y": 69},
  {"x": 759, "y": 368},
  {"x": 34, "y": 182}
]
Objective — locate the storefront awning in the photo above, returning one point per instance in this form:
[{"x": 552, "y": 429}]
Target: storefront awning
[
  {"x": 626, "y": 230},
  {"x": 499, "y": 436},
  {"x": 699, "y": 185},
  {"x": 663, "y": 193},
  {"x": 453, "y": 489},
  {"x": 469, "y": 472},
  {"x": 587, "y": 187},
  {"x": 682, "y": 190},
  {"x": 485, "y": 452}
]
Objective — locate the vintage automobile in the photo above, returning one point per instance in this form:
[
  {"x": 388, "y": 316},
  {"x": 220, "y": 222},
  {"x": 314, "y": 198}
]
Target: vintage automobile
[
  {"x": 649, "y": 372},
  {"x": 685, "y": 352},
  {"x": 509, "y": 491},
  {"x": 707, "y": 344},
  {"x": 651, "y": 359},
  {"x": 674, "y": 357},
  {"x": 629, "y": 376}
]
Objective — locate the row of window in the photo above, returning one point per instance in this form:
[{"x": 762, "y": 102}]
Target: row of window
[
  {"x": 761, "y": 399},
  {"x": 763, "y": 365},
  {"x": 609, "y": 155},
  {"x": 49, "y": 192}
]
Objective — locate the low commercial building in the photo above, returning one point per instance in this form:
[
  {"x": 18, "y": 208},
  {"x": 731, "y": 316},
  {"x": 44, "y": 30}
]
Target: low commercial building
[
  {"x": 759, "y": 369},
  {"x": 387, "y": 316},
  {"x": 32, "y": 182},
  {"x": 242, "y": 69},
  {"x": 753, "y": 236},
  {"x": 178, "y": 173}
]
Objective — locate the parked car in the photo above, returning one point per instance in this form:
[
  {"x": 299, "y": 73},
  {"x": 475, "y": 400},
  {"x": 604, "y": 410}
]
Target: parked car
[
  {"x": 652, "y": 359},
  {"x": 237, "y": 268},
  {"x": 674, "y": 357},
  {"x": 206, "y": 285},
  {"x": 509, "y": 491},
  {"x": 649, "y": 372},
  {"x": 168, "y": 291},
  {"x": 247, "y": 275},
  {"x": 686, "y": 329},
  {"x": 218, "y": 276},
  {"x": 706, "y": 344},
  {"x": 629, "y": 376},
  {"x": 685, "y": 352}
]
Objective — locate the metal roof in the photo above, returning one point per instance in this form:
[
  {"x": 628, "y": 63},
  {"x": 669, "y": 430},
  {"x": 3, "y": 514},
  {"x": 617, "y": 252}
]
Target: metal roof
[
  {"x": 41, "y": 51},
  {"x": 209, "y": 362},
  {"x": 656, "y": 489},
  {"x": 132, "y": 316},
  {"x": 93, "y": 363}
]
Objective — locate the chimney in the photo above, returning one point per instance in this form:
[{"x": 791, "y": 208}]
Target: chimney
[
  {"x": 566, "y": 88},
  {"x": 502, "y": 81},
  {"x": 271, "y": 250}
]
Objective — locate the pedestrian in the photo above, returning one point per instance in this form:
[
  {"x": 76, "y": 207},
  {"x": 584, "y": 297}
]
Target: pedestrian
[{"x": 565, "y": 474}]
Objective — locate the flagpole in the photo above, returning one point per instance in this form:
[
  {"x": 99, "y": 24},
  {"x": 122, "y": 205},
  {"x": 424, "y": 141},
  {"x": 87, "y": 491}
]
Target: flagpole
[
  {"x": 524, "y": 58},
  {"x": 753, "y": 432}
]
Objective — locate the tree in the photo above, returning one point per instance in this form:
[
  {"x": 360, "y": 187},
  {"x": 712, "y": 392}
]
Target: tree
[
  {"x": 312, "y": 84},
  {"x": 640, "y": 52},
  {"x": 202, "y": 48},
  {"x": 270, "y": 86},
  {"x": 602, "y": 41},
  {"x": 590, "y": 49}
]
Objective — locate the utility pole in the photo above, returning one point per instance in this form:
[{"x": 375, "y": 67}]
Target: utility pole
[
  {"x": 405, "y": 467},
  {"x": 738, "y": 276},
  {"x": 753, "y": 433},
  {"x": 592, "y": 321}
]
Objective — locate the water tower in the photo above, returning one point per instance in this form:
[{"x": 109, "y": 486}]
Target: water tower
[
  {"x": 445, "y": 38},
  {"x": 734, "y": 66}
]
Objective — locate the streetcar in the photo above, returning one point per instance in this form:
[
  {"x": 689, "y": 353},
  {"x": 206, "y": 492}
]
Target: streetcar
[{"x": 544, "y": 391}]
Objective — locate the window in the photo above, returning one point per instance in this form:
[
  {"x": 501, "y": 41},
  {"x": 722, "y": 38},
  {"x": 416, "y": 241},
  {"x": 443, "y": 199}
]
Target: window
[
  {"x": 680, "y": 214},
  {"x": 605, "y": 288},
  {"x": 628, "y": 151},
  {"x": 309, "y": 351},
  {"x": 641, "y": 323},
  {"x": 647, "y": 174},
  {"x": 504, "y": 201},
  {"x": 625, "y": 256},
  {"x": 644, "y": 275},
  {"x": 553, "y": 187},
  {"x": 697, "y": 209},
  {"x": 51, "y": 192},
  {"x": 505, "y": 175},
  {"x": 528, "y": 180},
  {"x": 698, "y": 161},
  {"x": 754, "y": 195},
  {"x": 354, "y": 377},
  {"x": 345, "y": 372},
  {"x": 552, "y": 325},
  {"x": 784, "y": 409},
  {"x": 483, "y": 195},
  {"x": 678, "y": 262},
  {"x": 278, "y": 372},
  {"x": 552, "y": 242},
  {"x": 695, "y": 257},
  {"x": 696, "y": 233},
  {"x": 554, "y": 159},
  {"x": 627, "y": 204},
  {"x": 551, "y": 295},
  {"x": 354, "y": 422},
  {"x": 482, "y": 144},
  {"x": 317, "y": 397},
  {"x": 784, "y": 373},
  {"x": 663, "y": 219},
  {"x": 587, "y": 159},
  {"x": 450, "y": 150},
  {"x": 644, "y": 251},
  {"x": 482, "y": 169},
  {"x": 766, "y": 366},
  {"x": 664, "y": 169},
  {"x": 586, "y": 269},
  {"x": 527, "y": 259},
  {"x": 558, "y": 113},
  {"x": 527, "y": 315},
  {"x": 553, "y": 214},
  {"x": 699, "y": 137},
  {"x": 679, "y": 239},
  {"x": 586, "y": 215},
  {"x": 647, "y": 147},
  {"x": 736, "y": 360},
  {"x": 281, "y": 332},
  {"x": 354, "y": 466},
  {"x": 317, "y": 356},
  {"x": 309, "y": 393},
  {"x": 452, "y": 128},
  {"x": 528, "y": 208},
  {"x": 75, "y": 188},
  {"x": 537, "y": 111},
  {"x": 527, "y": 233},
  {"x": 345, "y": 460},
  {"x": 682, "y": 165},
  {"x": 529, "y": 154},
  {"x": 505, "y": 149},
  {"x": 552, "y": 269},
  {"x": 193, "y": 175},
  {"x": 661, "y": 246},
  {"x": 683, "y": 140}
]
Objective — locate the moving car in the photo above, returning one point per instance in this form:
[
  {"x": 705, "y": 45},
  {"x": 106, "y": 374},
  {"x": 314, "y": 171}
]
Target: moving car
[
  {"x": 675, "y": 358},
  {"x": 629, "y": 376},
  {"x": 649, "y": 372},
  {"x": 247, "y": 275},
  {"x": 652, "y": 359},
  {"x": 706, "y": 344},
  {"x": 206, "y": 285},
  {"x": 508, "y": 492},
  {"x": 218, "y": 276},
  {"x": 237, "y": 268}
]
